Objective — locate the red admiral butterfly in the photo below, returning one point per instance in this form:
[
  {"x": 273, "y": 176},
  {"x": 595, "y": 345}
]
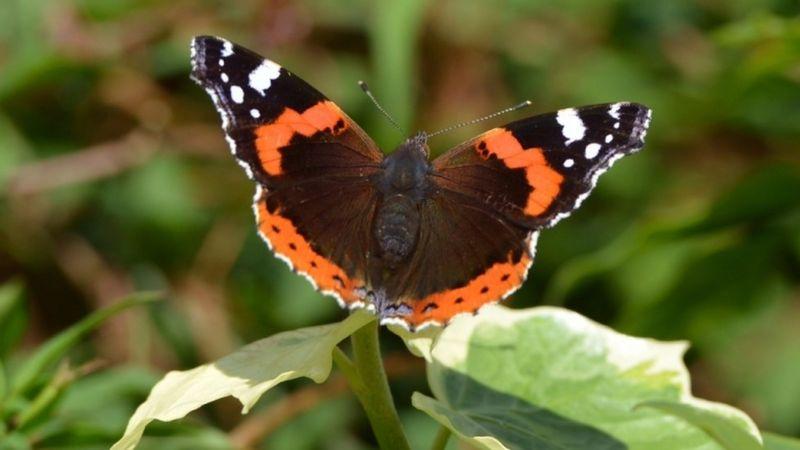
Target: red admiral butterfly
[{"x": 418, "y": 241}]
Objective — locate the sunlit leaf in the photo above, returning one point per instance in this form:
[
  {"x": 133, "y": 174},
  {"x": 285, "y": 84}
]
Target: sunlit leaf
[
  {"x": 245, "y": 374},
  {"x": 419, "y": 343},
  {"x": 720, "y": 422},
  {"x": 550, "y": 378}
]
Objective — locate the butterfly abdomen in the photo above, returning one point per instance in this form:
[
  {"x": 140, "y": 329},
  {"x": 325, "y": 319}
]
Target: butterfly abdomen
[
  {"x": 396, "y": 229},
  {"x": 403, "y": 184}
]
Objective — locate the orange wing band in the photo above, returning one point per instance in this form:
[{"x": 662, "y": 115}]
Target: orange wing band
[
  {"x": 282, "y": 236},
  {"x": 496, "y": 282},
  {"x": 272, "y": 137},
  {"x": 545, "y": 181}
]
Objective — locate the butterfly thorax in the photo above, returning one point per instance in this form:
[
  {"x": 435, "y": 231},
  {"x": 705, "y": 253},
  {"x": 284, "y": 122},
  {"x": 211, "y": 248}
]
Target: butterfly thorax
[{"x": 403, "y": 184}]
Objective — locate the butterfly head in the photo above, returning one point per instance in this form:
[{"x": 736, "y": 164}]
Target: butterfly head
[
  {"x": 418, "y": 142},
  {"x": 407, "y": 167}
]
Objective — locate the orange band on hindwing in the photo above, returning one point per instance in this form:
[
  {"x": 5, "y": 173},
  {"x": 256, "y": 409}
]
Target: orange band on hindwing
[
  {"x": 284, "y": 239},
  {"x": 270, "y": 138},
  {"x": 496, "y": 282}
]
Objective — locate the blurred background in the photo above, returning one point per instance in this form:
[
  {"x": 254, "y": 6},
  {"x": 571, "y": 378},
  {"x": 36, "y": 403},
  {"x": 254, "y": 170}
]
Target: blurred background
[{"x": 116, "y": 178}]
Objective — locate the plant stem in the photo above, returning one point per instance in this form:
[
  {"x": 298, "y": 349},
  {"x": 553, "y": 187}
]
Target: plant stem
[
  {"x": 440, "y": 443},
  {"x": 372, "y": 387},
  {"x": 348, "y": 369}
]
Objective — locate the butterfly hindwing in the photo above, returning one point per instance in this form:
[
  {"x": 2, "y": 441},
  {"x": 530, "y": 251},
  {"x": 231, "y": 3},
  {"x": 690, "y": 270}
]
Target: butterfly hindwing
[
  {"x": 319, "y": 236},
  {"x": 467, "y": 255},
  {"x": 309, "y": 159}
]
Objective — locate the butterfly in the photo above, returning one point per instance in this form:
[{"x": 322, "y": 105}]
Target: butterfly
[{"x": 416, "y": 241}]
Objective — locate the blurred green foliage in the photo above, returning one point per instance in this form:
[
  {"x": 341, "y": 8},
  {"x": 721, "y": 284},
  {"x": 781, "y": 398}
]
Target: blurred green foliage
[{"x": 116, "y": 178}]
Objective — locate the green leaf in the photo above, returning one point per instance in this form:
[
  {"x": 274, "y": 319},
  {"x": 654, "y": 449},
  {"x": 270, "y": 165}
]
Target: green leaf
[
  {"x": 766, "y": 193},
  {"x": 15, "y": 441},
  {"x": 245, "y": 374},
  {"x": 724, "y": 426},
  {"x": 460, "y": 424},
  {"x": 189, "y": 438},
  {"x": 56, "y": 347},
  {"x": 12, "y": 315},
  {"x": 548, "y": 378},
  {"x": 102, "y": 401},
  {"x": 418, "y": 343},
  {"x": 773, "y": 441},
  {"x": 3, "y": 390},
  {"x": 15, "y": 147}
]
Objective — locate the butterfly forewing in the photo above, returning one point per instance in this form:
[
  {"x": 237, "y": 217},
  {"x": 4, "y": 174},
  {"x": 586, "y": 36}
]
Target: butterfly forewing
[
  {"x": 538, "y": 170},
  {"x": 268, "y": 114},
  {"x": 309, "y": 159}
]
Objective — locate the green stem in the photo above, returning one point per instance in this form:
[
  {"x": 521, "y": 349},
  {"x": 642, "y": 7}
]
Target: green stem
[
  {"x": 348, "y": 369},
  {"x": 368, "y": 382},
  {"x": 441, "y": 438}
]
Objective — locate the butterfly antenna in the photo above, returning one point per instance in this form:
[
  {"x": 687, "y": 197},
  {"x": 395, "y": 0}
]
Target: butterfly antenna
[
  {"x": 366, "y": 90},
  {"x": 524, "y": 104}
]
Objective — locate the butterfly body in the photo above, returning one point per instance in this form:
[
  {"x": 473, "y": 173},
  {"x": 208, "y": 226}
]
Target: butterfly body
[
  {"x": 417, "y": 241},
  {"x": 404, "y": 184}
]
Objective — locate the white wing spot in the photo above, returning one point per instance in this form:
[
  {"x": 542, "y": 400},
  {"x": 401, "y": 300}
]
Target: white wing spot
[
  {"x": 616, "y": 125},
  {"x": 224, "y": 77},
  {"x": 261, "y": 77},
  {"x": 237, "y": 94},
  {"x": 255, "y": 113},
  {"x": 221, "y": 62},
  {"x": 569, "y": 163},
  {"x": 614, "y": 110},
  {"x": 571, "y": 125},
  {"x": 609, "y": 138},
  {"x": 227, "y": 49},
  {"x": 592, "y": 150}
]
